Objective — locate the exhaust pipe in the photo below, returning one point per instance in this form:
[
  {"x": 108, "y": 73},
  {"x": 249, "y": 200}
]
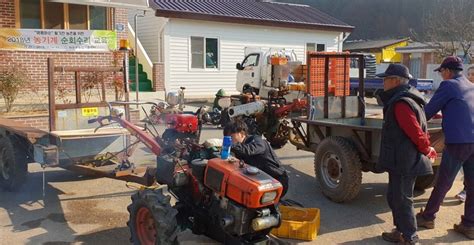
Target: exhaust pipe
[
  {"x": 263, "y": 223},
  {"x": 247, "y": 109}
]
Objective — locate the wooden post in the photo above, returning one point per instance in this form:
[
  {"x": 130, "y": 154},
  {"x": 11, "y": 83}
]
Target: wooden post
[
  {"x": 51, "y": 95},
  {"x": 104, "y": 98},
  {"x": 77, "y": 82}
]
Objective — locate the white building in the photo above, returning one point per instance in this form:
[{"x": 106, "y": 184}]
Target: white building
[{"x": 198, "y": 43}]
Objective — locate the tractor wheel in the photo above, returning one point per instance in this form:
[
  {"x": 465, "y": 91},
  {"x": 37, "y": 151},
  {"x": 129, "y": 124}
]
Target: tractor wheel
[
  {"x": 338, "y": 169},
  {"x": 279, "y": 138},
  {"x": 152, "y": 218},
  {"x": 275, "y": 141},
  {"x": 427, "y": 181},
  {"x": 13, "y": 164}
]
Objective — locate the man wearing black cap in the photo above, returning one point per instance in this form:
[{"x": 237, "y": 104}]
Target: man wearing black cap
[
  {"x": 405, "y": 150},
  {"x": 455, "y": 99}
]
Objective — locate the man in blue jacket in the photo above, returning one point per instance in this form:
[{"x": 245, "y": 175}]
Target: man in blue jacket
[{"x": 455, "y": 98}]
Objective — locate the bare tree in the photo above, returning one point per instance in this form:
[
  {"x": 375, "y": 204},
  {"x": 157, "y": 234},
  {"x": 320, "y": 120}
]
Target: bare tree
[{"x": 449, "y": 26}]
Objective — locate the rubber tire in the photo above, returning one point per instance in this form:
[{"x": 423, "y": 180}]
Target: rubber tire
[
  {"x": 351, "y": 178},
  {"x": 163, "y": 213},
  {"x": 276, "y": 143},
  {"x": 11, "y": 152},
  {"x": 424, "y": 182}
]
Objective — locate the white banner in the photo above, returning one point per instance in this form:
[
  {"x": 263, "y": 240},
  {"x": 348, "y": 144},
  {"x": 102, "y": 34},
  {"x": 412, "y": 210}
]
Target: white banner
[{"x": 58, "y": 40}]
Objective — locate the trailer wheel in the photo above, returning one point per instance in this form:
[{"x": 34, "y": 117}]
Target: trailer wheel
[
  {"x": 13, "y": 164},
  {"x": 152, "y": 218},
  {"x": 427, "y": 181},
  {"x": 338, "y": 169}
]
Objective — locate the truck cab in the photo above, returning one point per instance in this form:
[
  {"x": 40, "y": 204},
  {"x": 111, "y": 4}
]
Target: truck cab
[
  {"x": 249, "y": 72},
  {"x": 259, "y": 73}
]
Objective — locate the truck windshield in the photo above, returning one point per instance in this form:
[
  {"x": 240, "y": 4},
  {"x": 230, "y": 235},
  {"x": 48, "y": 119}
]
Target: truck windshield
[{"x": 251, "y": 60}]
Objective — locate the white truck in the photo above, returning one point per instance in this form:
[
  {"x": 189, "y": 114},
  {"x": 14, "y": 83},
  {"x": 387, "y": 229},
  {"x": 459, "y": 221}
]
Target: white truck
[{"x": 260, "y": 74}]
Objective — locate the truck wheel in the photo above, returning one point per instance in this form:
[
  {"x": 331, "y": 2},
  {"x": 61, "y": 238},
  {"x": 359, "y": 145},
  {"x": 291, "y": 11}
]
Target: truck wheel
[
  {"x": 249, "y": 89},
  {"x": 427, "y": 181},
  {"x": 13, "y": 164},
  {"x": 152, "y": 219},
  {"x": 338, "y": 169}
]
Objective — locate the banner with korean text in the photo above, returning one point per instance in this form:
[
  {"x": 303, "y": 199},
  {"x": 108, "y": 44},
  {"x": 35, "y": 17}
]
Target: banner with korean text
[{"x": 58, "y": 40}]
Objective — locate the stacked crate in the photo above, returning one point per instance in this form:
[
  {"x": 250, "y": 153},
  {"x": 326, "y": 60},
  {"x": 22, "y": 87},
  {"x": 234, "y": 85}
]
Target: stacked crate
[
  {"x": 338, "y": 73},
  {"x": 316, "y": 76}
]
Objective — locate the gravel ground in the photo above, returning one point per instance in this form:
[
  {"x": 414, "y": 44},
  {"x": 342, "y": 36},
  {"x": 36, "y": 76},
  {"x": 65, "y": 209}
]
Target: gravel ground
[{"x": 82, "y": 210}]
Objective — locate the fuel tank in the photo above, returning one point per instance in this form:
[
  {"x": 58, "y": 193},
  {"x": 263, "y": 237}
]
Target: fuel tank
[{"x": 242, "y": 183}]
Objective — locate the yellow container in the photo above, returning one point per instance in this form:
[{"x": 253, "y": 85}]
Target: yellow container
[{"x": 298, "y": 223}]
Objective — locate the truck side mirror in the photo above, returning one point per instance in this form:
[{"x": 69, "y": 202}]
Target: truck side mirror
[{"x": 238, "y": 66}]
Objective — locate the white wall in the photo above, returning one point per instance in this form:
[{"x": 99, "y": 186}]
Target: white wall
[
  {"x": 233, "y": 38},
  {"x": 149, "y": 28}
]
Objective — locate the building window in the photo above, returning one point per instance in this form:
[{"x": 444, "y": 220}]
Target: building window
[
  {"x": 53, "y": 15},
  {"x": 77, "y": 17},
  {"x": 98, "y": 18},
  {"x": 315, "y": 47},
  {"x": 320, "y": 48},
  {"x": 42, "y": 14},
  {"x": 204, "y": 53},
  {"x": 30, "y": 14}
]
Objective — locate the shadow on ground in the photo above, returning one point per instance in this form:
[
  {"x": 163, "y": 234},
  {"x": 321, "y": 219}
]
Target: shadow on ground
[
  {"x": 28, "y": 209},
  {"x": 361, "y": 211}
]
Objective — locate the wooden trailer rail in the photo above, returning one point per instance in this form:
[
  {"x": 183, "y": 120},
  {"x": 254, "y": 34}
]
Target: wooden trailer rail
[{"x": 78, "y": 103}]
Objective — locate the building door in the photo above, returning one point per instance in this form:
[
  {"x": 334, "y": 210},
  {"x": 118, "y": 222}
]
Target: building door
[{"x": 415, "y": 67}]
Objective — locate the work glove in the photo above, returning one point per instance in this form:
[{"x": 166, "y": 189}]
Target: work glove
[{"x": 432, "y": 154}]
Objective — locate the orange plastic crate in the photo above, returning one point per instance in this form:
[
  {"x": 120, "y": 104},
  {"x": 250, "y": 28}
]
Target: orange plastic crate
[{"x": 279, "y": 61}]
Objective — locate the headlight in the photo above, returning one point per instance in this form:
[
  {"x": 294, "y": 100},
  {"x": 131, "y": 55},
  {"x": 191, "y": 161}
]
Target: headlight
[{"x": 268, "y": 197}]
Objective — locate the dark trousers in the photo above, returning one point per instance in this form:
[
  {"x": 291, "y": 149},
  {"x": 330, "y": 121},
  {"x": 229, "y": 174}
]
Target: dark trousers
[
  {"x": 448, "y": 170},
  {"x": 283, "y": 179},
  {"x": 400, "y": 200}
]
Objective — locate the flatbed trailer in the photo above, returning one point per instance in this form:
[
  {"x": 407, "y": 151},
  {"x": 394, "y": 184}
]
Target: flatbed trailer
[
  {"x": 70, "y": 143},
  {"x": 344, "y": 141}
]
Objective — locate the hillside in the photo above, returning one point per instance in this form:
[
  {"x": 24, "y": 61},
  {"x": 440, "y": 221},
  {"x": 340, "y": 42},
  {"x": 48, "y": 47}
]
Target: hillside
[{"x": 376, "y": 19}]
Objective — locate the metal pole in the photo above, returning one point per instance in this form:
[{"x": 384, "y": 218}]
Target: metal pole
[
  {"x": 361, "y": 90},
  {"x": 137, "y": 86},
  {"x": 126, "y": 83}
]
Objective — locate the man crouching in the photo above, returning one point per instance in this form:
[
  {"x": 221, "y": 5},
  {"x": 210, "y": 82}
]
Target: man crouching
[{"x": 255, "y": 151}]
